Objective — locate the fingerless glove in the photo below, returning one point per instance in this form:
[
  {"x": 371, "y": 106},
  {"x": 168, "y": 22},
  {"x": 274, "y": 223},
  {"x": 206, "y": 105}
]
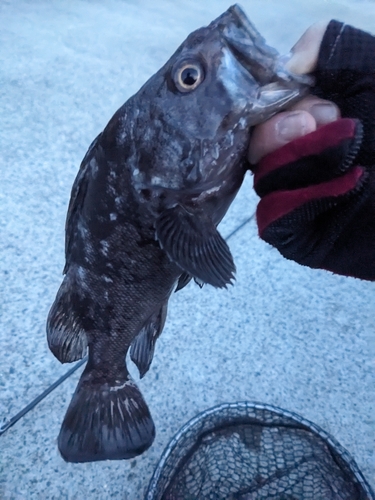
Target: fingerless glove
[{"x": 317, "y": 192}]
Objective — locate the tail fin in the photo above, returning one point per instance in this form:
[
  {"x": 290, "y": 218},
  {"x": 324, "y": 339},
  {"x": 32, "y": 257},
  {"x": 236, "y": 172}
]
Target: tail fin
[{"x": 104, "y": 421}]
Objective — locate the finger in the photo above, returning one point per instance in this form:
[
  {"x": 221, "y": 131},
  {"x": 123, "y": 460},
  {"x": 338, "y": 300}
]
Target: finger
[
  {"x": 278, "y": 131},
  {"x": 323, "y": 111},
  {"x": 305, "y": 52}
]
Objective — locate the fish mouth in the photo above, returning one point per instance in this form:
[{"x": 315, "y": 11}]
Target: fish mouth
[
  {"x": 250, "y": 49},
  {"x": 247, "y": 44}
]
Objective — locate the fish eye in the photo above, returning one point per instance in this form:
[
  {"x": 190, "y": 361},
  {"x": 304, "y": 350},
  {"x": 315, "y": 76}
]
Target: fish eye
[{"x": 188, "y": 76}]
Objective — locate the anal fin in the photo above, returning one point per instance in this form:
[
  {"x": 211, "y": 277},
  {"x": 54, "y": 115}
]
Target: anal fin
[
  {"x": 183, "y": 280},
  {"x": 143, "y": 346}
]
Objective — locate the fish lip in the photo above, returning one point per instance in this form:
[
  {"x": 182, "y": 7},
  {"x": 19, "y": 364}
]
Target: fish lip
[
  {"x": 251, "y": 50},
  {"x": 242, "y": 29},
  {"x": 246, "y": 43}
]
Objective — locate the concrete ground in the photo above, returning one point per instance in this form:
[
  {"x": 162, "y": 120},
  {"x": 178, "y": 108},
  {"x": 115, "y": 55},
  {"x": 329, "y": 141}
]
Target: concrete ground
[{"x": 282, "y": 335}]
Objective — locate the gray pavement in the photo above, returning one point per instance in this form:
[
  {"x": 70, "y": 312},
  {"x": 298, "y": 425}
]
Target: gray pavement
[{"x": 283, "y": 335}]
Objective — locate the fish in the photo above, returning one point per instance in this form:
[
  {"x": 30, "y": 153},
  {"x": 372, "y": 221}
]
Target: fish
[{"x": 142, "y": 222}]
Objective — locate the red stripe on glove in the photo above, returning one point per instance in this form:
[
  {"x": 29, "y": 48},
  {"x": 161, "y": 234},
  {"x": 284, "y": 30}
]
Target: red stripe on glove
[
  {"x": 316, "y": 142},
  {"x": 280, "y": 203}
]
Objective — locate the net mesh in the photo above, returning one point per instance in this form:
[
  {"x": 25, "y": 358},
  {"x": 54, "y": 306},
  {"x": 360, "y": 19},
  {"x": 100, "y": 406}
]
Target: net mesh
[{"x": 249, "y": 451}]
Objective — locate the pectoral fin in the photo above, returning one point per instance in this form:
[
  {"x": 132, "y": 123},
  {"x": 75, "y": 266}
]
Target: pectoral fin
[{"x": 192, "y": 241}]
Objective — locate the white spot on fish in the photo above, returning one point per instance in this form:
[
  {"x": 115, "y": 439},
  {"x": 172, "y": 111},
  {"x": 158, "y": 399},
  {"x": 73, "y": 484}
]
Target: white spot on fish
[
  {"x": 130, "y": 404},
  {"x": 111, "y": 190},
  {"x": 94, "y": 167},
  {"x": 212, "y": 190},
  {"x": 82, "y": 229},
  {"x": 81, "y": 273},
  {"x": 120, "y": 409},
  {"x": 82, "y": 277},
  {"x": 242, "y": 123},
  {"x": 121, "y": 136},
  {"x": 119, "y": 200},
  {"x": 107, "y": 279},
  {"x": 112, "y": 216},
  {"x": 135, "y": 404},
  {"x": 104, "y": 247},
  {"x": 119, "y": 387},
  {"x": 156, "y": 180},
  {"x": 216, "y": 152},
  {"x": 229, "y": 139}
]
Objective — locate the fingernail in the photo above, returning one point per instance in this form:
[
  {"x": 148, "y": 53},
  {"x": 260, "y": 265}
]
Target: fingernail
[
  {"x": 324, "y": 113},
  {"x": 292, "y": 126}
]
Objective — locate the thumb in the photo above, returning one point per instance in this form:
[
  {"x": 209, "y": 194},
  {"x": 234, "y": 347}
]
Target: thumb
[{"x": 305, "y": 52}]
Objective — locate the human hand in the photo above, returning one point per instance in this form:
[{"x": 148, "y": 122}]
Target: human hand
[
  {"x": 318, "y": 205},
  {"x": 301, "y": 119},
  {"x": 305, "y": 116}
]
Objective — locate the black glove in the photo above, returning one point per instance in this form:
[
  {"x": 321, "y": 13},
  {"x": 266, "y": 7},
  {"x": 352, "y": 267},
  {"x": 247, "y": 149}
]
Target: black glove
[{"x": 318, "y": 191}]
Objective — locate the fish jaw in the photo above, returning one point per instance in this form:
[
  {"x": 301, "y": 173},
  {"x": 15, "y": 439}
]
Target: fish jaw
[
  {"x": 247, "y": 43},
  {"x": 265, "y": 87}
]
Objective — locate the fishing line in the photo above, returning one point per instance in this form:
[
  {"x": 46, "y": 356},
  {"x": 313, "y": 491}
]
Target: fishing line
[
  {"x": 10, "y": 422},
  {"x": 240, "y": 227}
]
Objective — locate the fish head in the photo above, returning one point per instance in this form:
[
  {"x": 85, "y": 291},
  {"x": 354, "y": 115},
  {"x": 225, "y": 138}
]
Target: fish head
[{"x": 192, "y": 119}]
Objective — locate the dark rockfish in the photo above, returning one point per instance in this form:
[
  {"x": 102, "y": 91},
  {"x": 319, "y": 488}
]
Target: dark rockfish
[{"x": 142, "y": 221}]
